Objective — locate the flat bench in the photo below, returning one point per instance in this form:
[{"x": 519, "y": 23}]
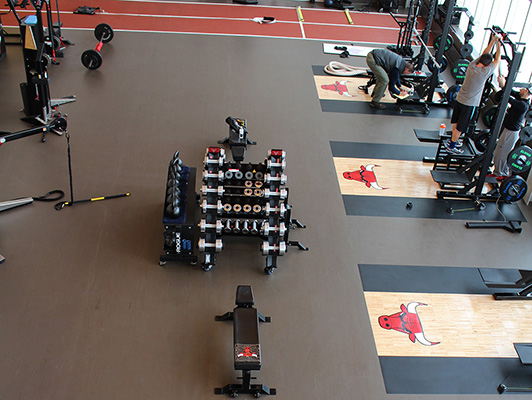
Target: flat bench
[{"x": 246, "y": 344}]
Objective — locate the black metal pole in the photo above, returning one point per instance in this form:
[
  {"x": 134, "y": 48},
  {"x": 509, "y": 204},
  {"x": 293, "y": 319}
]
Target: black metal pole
[
  {"x": 497, "y": 125},
  {"x": 434, "y": 80}
]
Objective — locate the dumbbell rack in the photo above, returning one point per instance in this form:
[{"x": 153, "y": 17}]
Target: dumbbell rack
[
  {"x": 179, "y": 218},
  {"x": 247, "y": 200}
]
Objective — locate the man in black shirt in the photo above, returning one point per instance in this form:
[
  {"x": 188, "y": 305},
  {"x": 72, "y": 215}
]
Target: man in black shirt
[
  {"x": 513, "y": 121},
  {"x": 387, "y": 67}
]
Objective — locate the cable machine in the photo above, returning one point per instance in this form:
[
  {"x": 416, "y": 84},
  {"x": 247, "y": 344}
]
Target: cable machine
[{"x": 39, "y": 107}]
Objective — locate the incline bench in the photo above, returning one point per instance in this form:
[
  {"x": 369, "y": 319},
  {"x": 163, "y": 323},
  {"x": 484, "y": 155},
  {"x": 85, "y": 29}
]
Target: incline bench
[{"x": 247, "y": 354}]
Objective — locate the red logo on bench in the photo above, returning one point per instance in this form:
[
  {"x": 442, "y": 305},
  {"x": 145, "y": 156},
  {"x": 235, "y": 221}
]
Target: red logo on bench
[{"x": 247, "y": 353}]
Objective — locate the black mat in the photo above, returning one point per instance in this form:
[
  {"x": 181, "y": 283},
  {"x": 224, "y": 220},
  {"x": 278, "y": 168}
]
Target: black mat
[
  {"x": 382, "y": 151},
  {"x": 440, "y": 375},
  {"x": 422, "y": 279},
  {"x": 377, "y": 206},
  {"x": 451, "y": 375}
]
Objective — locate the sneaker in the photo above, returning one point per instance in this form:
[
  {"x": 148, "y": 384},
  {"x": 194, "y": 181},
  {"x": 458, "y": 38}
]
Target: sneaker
[
  {"x": 378, "y": 106},
  {"x": 460, "y": 143},
  {"x": 455, "y": 150}
]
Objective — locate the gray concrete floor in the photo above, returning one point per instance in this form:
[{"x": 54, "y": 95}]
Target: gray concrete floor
[{"x": 85, "y": 310}]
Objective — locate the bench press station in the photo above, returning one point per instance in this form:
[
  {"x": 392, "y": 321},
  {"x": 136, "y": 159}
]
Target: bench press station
[{"x": 247, "y": 354}]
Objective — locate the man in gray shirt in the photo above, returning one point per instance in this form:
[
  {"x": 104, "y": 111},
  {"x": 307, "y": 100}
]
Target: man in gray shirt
[
  {"x": 470, "y": 93},
  {"x": 387, "y": 68}
]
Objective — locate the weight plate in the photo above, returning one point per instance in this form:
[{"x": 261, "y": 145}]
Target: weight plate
[
  {"x": 452, "y": 92},
  {"x": 448, "y": 43},
  {"x": 520, "y": 159},
  {"x": 497, "y": 97},
  {"x": 46, "y": 61},
  {"x": 489, "y": 114},
  {"x": 513, "y": 189},
  {"x": 528, "y": 117},
  {"x": 466, "y": 50},
  {"x": 59, "y": 124},
  {"x": 481, "y": 141},
  {"x": 468, "y": 35},
  {"x": 526, "y": 134},
  {"x": 443, "y": 65},
  {"x": 459, "y": 69},
  {"x": 91, "y": 59},
  {"x": 104, "y": 33}
]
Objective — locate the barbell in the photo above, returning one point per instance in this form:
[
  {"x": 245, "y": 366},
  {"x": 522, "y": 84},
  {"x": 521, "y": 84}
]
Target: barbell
[{"x": 92, "y": 58}]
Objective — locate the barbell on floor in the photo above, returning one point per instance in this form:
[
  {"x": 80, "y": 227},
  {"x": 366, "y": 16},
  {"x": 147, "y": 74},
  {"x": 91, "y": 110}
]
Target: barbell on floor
[{"x": 92, "y": 59}]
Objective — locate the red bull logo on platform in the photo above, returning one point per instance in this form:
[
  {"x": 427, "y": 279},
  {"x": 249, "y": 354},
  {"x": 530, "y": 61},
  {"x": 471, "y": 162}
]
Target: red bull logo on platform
[
  {"x": 365, "y": 175},
  {"x": 407, "y": 321},
  {"x": 339, "y": 87}
]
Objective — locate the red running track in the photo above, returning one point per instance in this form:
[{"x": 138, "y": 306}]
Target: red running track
[{"x": 227, "y": 19}]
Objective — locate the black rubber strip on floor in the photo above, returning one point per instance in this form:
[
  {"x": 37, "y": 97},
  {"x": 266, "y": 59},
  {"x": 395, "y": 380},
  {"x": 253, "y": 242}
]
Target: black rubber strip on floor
[
  {"x": 451, "y": 375},
  {"x": 382, "y": 151},
  {"x": 421, "y": 279},
  {"x": 377, "y": 206},
  {"x": 363, "y": 107}
]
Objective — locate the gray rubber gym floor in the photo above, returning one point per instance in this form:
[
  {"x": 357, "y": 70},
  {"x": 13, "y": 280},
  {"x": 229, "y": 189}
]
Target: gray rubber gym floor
[{"x": 86, "y": 312}]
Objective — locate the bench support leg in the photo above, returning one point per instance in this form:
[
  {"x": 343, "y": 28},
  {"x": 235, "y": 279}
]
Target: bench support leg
[{"x": 234, "y": 389}]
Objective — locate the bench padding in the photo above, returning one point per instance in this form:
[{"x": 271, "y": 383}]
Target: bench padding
[{"x": 246, "y": 338}]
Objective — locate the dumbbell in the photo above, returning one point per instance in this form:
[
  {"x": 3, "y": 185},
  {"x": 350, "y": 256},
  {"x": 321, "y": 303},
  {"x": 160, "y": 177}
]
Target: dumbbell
[
  {"x": 268, "y": 249},
  {"x": 92, "y": 59}
]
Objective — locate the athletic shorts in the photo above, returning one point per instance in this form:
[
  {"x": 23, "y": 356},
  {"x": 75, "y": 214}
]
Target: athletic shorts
[{"x": 462, "y": 116}]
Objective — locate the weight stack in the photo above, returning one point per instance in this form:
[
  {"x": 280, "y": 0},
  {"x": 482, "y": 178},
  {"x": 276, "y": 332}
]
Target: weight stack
[{"x": 179, "y": 213}]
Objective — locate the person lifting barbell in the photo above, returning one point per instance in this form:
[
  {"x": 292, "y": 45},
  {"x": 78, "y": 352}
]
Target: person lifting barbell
[{"x": 470, "y": 94}]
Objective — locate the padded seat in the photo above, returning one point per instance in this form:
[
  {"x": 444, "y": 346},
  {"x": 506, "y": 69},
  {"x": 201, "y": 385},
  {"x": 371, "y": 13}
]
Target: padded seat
[{"x": 246, "y": 338}]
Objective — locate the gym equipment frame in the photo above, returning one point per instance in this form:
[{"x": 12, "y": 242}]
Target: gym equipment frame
[
  {"x": 473, "y": 189},
  {"x": 246, "y": 339},
  {"x": 39, "y": 107},
  {"x": 179, "y": 213},
  {"x": 245, "y": 200}
]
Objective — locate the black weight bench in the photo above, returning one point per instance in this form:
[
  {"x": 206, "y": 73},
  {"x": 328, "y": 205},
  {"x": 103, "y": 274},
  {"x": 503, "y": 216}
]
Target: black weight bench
[{"x": 246, "y": 338}]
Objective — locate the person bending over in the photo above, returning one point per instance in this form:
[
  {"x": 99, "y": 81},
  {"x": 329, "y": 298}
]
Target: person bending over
[
  {"x": 387, "y": 68},
  {"x": 470, "y": 94},
  {"x": 513, "y": 121}
]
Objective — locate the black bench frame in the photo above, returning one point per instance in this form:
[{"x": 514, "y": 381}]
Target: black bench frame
[{"x": 246, "y": 319}]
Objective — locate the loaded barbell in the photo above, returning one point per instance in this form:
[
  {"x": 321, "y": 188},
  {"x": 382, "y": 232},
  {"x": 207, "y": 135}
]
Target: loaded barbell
[
  {"x": 515, "y": 187},
  {"x": 452, "y": 92},
  {"x": 92, "y": 59},
  {"x": 459, "y": 69},
  {"x": 448, "y": 43},
  {"x": 489, "y": 114},
  {"x": 443, "y": 65}
]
